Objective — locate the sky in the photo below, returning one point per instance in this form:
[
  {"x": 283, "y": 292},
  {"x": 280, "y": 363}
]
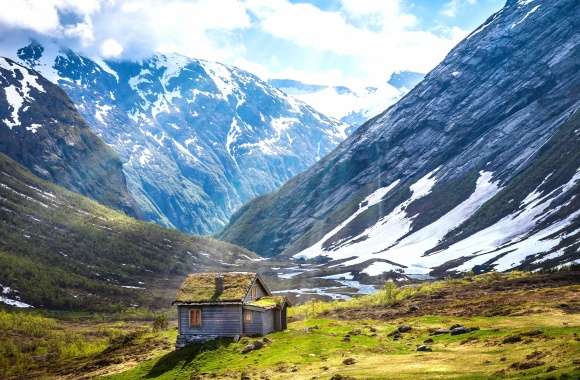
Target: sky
[{"x": 334, "y": 42}]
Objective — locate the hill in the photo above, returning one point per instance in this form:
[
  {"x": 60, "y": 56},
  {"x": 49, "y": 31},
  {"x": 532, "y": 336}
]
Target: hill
[{"x": 60, "y": 250}]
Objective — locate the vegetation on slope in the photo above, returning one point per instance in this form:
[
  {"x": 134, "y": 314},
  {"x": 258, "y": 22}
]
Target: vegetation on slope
[
  {"x": 531, "y": 330},
  {"x": 59, "y": 250}
]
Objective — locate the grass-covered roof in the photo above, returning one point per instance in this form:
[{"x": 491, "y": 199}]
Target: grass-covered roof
[
  {"x": 269, "y": 302},
  {"x": 215, "y": 287}
]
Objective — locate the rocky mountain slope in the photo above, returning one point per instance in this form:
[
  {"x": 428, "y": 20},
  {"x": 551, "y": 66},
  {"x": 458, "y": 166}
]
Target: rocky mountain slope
[
  {"x": 197, "y": 138},
  {"x": 352, "y": 106},
  {"x": 60, "y": 250},
  {"x": 41, "y": 129},
  {"x": 476, "y": 168}
]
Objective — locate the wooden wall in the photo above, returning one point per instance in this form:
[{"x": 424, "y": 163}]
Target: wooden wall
[{"x": 221, "y": 320}]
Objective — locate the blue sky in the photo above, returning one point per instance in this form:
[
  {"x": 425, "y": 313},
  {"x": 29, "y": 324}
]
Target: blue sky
[{"x": 320, "y": 41}]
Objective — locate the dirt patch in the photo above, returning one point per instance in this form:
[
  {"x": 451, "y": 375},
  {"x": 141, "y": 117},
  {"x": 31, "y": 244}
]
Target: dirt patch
[{"x": 519, "y": 296}]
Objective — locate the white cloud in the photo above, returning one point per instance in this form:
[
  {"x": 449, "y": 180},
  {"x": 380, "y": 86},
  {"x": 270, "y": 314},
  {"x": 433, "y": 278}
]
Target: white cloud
[
  {"x": 379, "y": 36},
  {"x": 110, "y": 48},
  {"x": 452, "y": 7}
]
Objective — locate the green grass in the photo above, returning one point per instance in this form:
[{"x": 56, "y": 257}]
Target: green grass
[
  {"x": 388, "y": 295},
  {"x": 301, "y": 353},
  {"x": 34, "y": 345}
]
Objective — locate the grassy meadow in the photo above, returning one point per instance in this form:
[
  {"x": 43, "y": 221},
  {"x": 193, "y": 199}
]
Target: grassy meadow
[{"x": 520, "y": 326}]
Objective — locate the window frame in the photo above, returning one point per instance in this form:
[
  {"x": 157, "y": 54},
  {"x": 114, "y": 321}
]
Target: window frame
[
  {"x": 248, "y": 316},
  {"x": 195, "y": 322}
]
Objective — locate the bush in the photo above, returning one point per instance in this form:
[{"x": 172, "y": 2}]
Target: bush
[{"x": 160, "y": 323}]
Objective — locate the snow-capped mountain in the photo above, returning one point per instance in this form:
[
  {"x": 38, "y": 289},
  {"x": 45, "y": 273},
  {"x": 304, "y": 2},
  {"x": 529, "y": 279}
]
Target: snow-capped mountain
[
  {"x": 197, "y": 138},
  {"x": 41, "y": 129},
  {"x": 352, "y": 106},
  {"x": 477, "y": 168}
]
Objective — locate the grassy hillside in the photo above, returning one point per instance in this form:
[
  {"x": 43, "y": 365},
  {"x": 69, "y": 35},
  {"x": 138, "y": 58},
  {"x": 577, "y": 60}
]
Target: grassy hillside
[
  {"x": 59, "y": 250},
  {"x": 519, "y": 326}
]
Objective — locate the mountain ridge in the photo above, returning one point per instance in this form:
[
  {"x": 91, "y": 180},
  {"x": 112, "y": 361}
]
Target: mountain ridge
[
  {"x": 452, "y": 141},
  {"x": 197, "y": 139}
]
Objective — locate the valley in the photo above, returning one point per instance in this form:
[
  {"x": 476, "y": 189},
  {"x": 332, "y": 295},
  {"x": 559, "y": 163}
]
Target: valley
[
  {"x": 523, "y": 326},
  {"x": 314, "y": 222}
]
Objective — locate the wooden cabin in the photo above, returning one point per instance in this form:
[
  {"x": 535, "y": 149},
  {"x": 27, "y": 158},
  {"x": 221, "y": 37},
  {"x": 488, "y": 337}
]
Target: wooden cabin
[{"x": 229, "y": 304}]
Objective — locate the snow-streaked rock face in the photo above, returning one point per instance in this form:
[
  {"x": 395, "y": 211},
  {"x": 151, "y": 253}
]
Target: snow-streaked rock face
[
  {"x": 475, "y": 169},
  {"x": 197, "y": 138},
  {"x": 352, "y": 106},
  {"x": 41, "y": 129}
]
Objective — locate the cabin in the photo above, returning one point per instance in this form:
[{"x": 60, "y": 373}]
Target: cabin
[{"x": 228, "y": 304}]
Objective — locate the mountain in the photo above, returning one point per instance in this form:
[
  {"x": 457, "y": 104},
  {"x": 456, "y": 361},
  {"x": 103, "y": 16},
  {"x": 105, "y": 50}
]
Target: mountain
[
  {"x": 197, "y": 139},
  {"x": 41, "y": 129},
  {"x": 476, "y": 168},
  {"x": 60, "y": 250},
  {"x": 352, "y": 106},
  {"x": 405, "y": 79}
]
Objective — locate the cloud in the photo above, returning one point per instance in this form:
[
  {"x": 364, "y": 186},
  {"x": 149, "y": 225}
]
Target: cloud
[
  {"x": 110, "y": 48},
  {"x": 452, "y": 7},
  {"x": 367, "y": 39},
  {"x": 378, "y": 34}
]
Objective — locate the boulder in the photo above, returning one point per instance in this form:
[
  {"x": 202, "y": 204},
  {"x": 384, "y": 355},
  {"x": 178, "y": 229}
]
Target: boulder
[
  {"x": 404, "y": 328},
  {"x": 440, "y": 332},
  {"x": 248, "y": 348},
  {"x": 460, "y": 330},
  {"x": 349, "y": 361},
  {"x": 424, "y": 348}
]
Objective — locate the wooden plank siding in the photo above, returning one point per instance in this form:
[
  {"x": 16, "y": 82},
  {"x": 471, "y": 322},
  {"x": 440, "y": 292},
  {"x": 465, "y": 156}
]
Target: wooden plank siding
[
  {"x": 220, "y": 320},
  {"x": 254, "y": 327},
  {"x": 268, "y": 321},
  {"x": 260, "y": 292}
]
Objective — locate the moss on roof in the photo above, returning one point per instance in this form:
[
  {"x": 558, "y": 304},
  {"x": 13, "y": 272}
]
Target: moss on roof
[
  {"x": 269, "y": 302},
  {"x": 215, "y": 287}
]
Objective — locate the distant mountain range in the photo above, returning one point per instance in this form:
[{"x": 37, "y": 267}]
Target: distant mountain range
[
  {"x": 196, "y": 139},
  {"x": 476, "y": 168},
  {"x": 352, "y": 106}
]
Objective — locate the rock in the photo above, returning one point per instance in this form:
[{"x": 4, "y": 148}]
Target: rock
[
  {"x": 266, "y": 340},
  {"x": 395, "y": 335},
  {"x": 244, "y": 376},
  {"x": 440, "y": 332},
  {"x": 413, "y": 308},
  {"x": 346, "y": 338},
  {"x": 512, "y": 339},
  {"x": 248, "y": 348},
  {"x": 355, "y": 332},
  {"x": 404, "y": 328},
  {"x": 258, "y": 344},
  {"x": 428, "y": 340},
  {"x": 455, "y": 326},
  {"x": 349, "y": 361},
  {"x": 460, "y": 330},
  {"x": 527, "y": 365},
  {"x": 424, "y": 348},
  {"x": 372, "y": 329},
  {"x": 338, "y": 376}
]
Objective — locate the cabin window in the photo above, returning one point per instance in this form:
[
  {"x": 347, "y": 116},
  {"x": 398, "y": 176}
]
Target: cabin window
[
  {"x": 194, "y": 317},
  {"x": 247, "y": 316},
  {"x": 254, "y": 292}
]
